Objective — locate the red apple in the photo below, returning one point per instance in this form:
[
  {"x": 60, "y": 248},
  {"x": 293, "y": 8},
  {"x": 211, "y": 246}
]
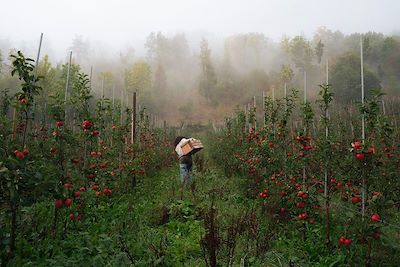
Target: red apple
[
  {"x": 68, "y": 185},
  {"x": 375, "y": 217},
  {"x": 356, "y": 145},
  {"x": 301, "y": 205},
  {"x": 58, "y": 203},
  {"x": 302, "y": 216},
  {"x": 59, "y": 123},
  {"x": 371, "y": 150},
  {"x": 86, "y": 124},
  {"x": 68, "y": 202},
  {"x": 19, "y": 154},
  {"x": 271, "y": 144},
  {"x": 300, "y": 193},
  {"x": 359, "y": 156}
]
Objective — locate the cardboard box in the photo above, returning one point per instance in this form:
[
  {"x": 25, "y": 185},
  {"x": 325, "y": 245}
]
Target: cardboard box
[{"x": 191, "y": 147}]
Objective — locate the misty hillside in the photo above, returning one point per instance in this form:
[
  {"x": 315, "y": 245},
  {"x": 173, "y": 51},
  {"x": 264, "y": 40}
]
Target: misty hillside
[{"x": 198, "y": 84}]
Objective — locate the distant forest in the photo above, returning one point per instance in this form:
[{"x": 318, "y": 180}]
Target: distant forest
[{"x": 200, "y": 84}]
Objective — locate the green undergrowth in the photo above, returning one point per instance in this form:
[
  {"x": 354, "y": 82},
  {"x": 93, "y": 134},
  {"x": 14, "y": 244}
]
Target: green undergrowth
[
  {"x": 161, "y": 224},
  {"x": 157, "y": 224}
]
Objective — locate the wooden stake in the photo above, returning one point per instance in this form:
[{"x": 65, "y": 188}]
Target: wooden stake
[
  {"x": 37, "y": 58},
  {"x": 383, "y": 107},
  {"x": 68, "y": 73},
  {"x": 305, "y": 87},
  {"x": 362, "y": 127},
  {"x": 67, "y": 85},
  {"x": 122, "y": 104},
  {"x": 255, "y": 112},
  {"x": 113, "y": 96},
  {"x": 102, "y": 88},
  {"x": 327, "y": 71},
  {"x": 35, "y": 74},
  {"x": 14, "y": 123},
  {"x": 90, "y": 77},
  {"x": 249, "y": 112},
  {"x": 165, "y": 131},
  {"x": 263, "y": 108},
  {"x": 133, "y": 123}
]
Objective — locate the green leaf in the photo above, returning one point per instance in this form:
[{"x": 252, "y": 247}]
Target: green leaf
[{"x": 349, "y": 214}]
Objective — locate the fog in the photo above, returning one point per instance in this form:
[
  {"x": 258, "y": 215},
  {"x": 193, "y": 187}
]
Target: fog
[
  {"x": 245, "y": 42},
  {"x": 117, "y": 24}
]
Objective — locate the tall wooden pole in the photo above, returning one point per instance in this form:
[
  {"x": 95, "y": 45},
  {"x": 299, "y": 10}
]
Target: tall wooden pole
[
  {"x": 113, "y": 96},
  {"x": 285, "y": 90},
  {"x": 305, "y": 87},
  {"x": 326, "y": 138},
  {"x": 37, "y": 58},
  {"x": 35, "y": 74},
  {"x": 255, "y": 113},
  {"x": 133, "y": 124},
  {"x": 362, "y": 91},
  {"x": 165, "y": 130},
  {"x": 113, "y": 104},
  {"x": 121, "y": 108},
  {"x": 362, "y": 127},
  {"x": 67, "y": 85},
  {"x": 326, "y": 193},
  {"x": 90, "y": 77},
  {"x": 14, "y": 123},
  {"x": 249, "y": 112},
  {"x": 68, "y": 74},
  {"x": 102, "y": 87},
  {"x": 273, "y": 108},
  {"x": 263, "y": 108},
  {"x": 327, "y": 71},
  {"x": 285, "y": 95},
  {"x": 273, "y": 96},
  {"x": 305, "y": 128},
  {"x": 245, "y": 118}
]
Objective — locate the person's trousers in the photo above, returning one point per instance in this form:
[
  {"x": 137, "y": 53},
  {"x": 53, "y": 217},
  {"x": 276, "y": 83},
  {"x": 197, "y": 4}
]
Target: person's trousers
[{"x": 185, "y": 173}]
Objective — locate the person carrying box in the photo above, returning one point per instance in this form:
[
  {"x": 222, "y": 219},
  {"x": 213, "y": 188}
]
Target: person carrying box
[{"x": 185, "y": 148}]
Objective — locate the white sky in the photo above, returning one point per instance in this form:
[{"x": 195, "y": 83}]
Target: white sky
[{"x": 119, "y": 23}]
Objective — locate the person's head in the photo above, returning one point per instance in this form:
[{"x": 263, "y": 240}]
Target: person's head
[{"x": 178, "y": 139}]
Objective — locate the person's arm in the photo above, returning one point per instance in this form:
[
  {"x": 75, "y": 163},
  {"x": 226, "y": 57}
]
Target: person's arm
[{"x": 178, "y": 148}]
